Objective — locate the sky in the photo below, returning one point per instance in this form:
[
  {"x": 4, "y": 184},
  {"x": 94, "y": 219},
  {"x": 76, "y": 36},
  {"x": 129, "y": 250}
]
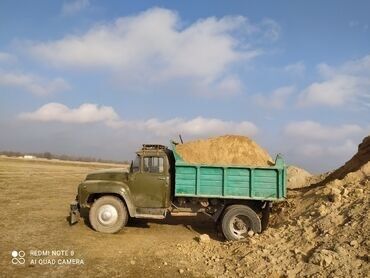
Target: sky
[{"x": 100, "y": 78}]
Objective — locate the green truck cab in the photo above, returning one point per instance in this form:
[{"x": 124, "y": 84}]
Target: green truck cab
[{"x": 160, "y": 182}]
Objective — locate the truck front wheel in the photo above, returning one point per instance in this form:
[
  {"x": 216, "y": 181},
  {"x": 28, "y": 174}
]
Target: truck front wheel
[
  {"x": 108, "y": 214},
  {"x": 238, "y": 220}
]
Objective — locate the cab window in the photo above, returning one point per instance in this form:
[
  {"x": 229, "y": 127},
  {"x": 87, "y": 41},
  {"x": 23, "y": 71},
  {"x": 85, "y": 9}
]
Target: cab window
[
  {"x": 136, "y": 164},
  {"x": 153, "y": 164}
]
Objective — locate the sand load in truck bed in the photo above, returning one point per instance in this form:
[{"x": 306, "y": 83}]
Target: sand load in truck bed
[{"x": 224, "y": 150}]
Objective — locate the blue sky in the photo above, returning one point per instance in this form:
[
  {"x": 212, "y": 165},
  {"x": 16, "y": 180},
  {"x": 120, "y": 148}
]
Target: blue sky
[{"x": 102, "y": 77}]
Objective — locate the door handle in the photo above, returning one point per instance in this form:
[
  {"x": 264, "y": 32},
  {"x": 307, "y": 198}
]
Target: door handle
[{"x": 161, "y": 178}]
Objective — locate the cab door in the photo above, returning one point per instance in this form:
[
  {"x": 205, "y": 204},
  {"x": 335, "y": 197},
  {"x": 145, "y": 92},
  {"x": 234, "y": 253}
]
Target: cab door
[{"x": 150, "y": 185}]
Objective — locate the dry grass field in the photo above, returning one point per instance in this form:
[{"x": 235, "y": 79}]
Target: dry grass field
[{"x": 34, "y": 203}]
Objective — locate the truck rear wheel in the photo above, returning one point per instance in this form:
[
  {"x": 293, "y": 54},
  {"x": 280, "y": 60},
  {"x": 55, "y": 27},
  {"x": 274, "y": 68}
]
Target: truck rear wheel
[
  {"x": 108, "y": 214},
  {"x": 238, "y": 220}
]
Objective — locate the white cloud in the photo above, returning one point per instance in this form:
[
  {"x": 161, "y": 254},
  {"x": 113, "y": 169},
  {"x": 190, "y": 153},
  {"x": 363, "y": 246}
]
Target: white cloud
[
  {"x": 230, "y": 84},
  {"x": 337, "y": 91},
  {"x": 310, "y": 130},
  {"x": 86, "y": 113},
  {"x": 32, "y": 83},
  {"x": 198, "y": 126},
  {"x": 276, "y": 99},
  {"x": 74, "y": 6},
  {"x": 347, "y": 148},
  {"x": 7, "y": 57},
  {"x": 153, "y": 48},
  {"x": 297, "y": 68},
  {"x": 339, "y": 151},
  {"x": 91, "y": 113},
  {"x": 320, "y": 147},
  {"x": 310, "y": 150},
  {"x": 346, "y": 85}
]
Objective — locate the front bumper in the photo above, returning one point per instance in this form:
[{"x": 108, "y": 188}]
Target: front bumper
[{"x": 74, "y": 213}]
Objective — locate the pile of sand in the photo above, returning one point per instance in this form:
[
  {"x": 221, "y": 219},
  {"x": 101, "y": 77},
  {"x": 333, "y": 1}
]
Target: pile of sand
[
  {"x": 226, "y": 150},
  {"x": 322, "y": 231},
  {"x": 361, "y": 158},
  {"x": 298, "y": 177}
]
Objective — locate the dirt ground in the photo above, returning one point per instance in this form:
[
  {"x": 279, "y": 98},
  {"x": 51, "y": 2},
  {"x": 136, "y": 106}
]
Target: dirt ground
[
  {"x": 34, "y": 202},
  {"x": 321, "y": 231}
]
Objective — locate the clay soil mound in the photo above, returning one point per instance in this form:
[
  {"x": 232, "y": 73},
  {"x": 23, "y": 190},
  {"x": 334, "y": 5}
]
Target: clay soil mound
[
  {"x": 359, "y": 160},
  {"x": 298, "y": 177},
  {"x": 226, "y": 150},
  {"x": 322, "y": 231}
]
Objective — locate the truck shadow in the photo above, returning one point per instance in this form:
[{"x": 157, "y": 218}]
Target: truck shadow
[{"x": 200, "y": 224}]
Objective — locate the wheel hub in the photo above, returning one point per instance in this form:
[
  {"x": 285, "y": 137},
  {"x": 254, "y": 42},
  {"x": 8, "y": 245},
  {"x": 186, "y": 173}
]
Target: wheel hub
[
  {"x": 107, "y": 215},
  {"x": 239, "y": 226}
]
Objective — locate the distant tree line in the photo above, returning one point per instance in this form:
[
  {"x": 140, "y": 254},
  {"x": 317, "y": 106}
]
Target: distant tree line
[{"x": 49, "y": 155}]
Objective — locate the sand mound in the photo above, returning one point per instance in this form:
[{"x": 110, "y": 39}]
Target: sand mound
[
  {"x": 227, "y": 149},
  {"x": 354, "y": 164},
  {"x": 319, "y": 232},
  {"x": 298, "y": 177}
]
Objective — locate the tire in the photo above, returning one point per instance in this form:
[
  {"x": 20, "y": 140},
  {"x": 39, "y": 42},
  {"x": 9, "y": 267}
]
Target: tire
[
  {"x": 238, "y": 220},
  {"x": 108, "y": 214}
]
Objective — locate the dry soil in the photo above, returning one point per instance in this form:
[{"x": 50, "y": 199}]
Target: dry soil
[
  {"x": 227, "y": 149},
  {"x": 322, "y": 230}
]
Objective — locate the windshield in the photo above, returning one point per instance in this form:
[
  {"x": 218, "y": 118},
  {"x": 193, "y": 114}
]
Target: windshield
[{"x": 136, "y": 164}]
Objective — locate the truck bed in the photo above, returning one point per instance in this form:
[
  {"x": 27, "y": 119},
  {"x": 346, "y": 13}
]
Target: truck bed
[{"x": 230, "y": 181}]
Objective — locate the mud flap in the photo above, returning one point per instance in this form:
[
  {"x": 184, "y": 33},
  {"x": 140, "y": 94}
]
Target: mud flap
[
  {"x": 265, "y": 215},
  {"x": 74, "y": 214}
]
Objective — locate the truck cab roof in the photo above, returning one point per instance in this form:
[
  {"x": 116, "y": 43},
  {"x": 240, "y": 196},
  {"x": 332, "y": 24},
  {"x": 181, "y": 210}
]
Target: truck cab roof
[{"x": 153, "y": 149}]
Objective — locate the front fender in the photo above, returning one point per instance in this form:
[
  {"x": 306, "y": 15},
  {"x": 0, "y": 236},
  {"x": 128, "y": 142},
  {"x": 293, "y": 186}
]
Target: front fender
[{"x": 90, "y": 187}]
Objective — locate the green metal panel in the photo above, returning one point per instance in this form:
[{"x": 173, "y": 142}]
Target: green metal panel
[
  {"x": 186, "y": 180},
  {"x": 265, "y": 183},
  {"x": 210, "y": 181},
  {"x": 236, "y": 182}
]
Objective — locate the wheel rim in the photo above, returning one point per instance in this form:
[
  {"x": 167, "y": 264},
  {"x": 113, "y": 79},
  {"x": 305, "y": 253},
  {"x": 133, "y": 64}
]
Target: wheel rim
[
  {"x": 107, "y": 215},
  {"x": 239, "y": 226}
]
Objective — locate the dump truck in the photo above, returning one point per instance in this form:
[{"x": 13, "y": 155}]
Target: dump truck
[{"x": 159, "y": 182}]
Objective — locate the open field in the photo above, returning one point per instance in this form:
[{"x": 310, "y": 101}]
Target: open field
[
  {"x": 320, "y": 231},
  {"x": 34, "y": 201}
]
